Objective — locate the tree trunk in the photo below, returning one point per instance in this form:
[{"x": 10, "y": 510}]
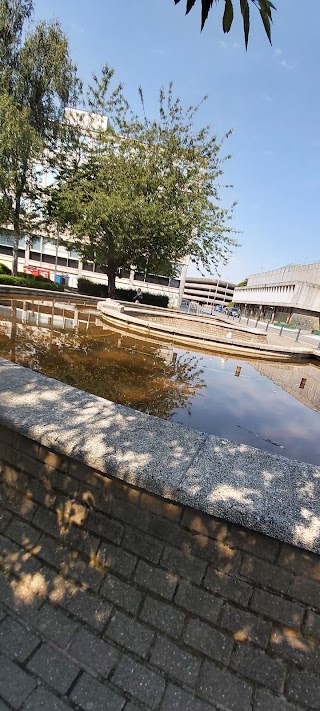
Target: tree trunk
[
  {"x": 16, "y": 238},
  {"x": 111, "y": 273}
]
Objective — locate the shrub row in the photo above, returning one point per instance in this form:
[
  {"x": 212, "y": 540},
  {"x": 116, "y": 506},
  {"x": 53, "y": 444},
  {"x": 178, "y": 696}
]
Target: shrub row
[
  {"x": 91, "y": 288},
  {"x": 4, "y": 269},
  {"x": 29, "y": 281}
]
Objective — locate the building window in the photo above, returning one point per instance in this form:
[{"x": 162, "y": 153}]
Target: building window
[
  {"x": 35, "y": 256},
  {"x": 49, "y": 258},
  {"x": 62, "y": 261},
  {"x": 73, "y": 263},
  {"x": 138, "y": 276},
  {"x": 87, "y": 267}
]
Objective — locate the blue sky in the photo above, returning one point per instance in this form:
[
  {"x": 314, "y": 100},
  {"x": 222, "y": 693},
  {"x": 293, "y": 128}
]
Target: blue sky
[{"x": 269, "y": 96}]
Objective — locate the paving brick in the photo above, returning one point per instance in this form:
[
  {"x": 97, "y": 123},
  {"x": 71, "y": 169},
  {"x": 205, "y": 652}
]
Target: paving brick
[
  {"x": 225, "y": 688},
  {"x": 251, "y": 542},
  {"x": 122, "y": 594},
  {"x": 161, "y": 507},
  {"x": 208, "y": 641},
  {"x": 16, "y": 641},
  {"x": 3, "y": 706},
  {"x": 229, "y": 587},
  {"x": 6, "y": 435},
  {"x": 265, "y": 701},
  {"x": 292, "y": 646},
  {"x": 16, "y": 559},
  {"x": 5, "y": 517},
  {"x": 205, "y": 524},
  {"x": 163, "y": 616},
  {"x": 139, "y": 681},
  {"x": 93, "y": 653},
  {"x": 52, "y": 459},
  {"x": 56, "y": 625},
  {"x": 90, "y": 695},
  {"x": 155, "y": 579},
  {"x": 47, "y": 521},
  {"x": 143, "y": 545},
  {"x": 44, "y": 700},
  {"x": 89, "y": 608},
  {"x": 130, "y": 513},
  {"x": 105, "y": 527},
  {"x": 300, "y": 562},
  {"x": 82, "y": 540},
  {"x": 217, "y": 554},
  {"x": 129, "y": 633},
  {"x": 87, "y": 574},
  {"x": 305, "y": 689},
  {"x": 307, "y": 591},
  {"x": 84, "y": 473},
  {"x": 3, "y": 613},
  {"x": 41, "y": 494},
  {"x": 245, "y": 626},
  {"x": 258, "y": 666},
  {"x": 96, "y": 498},
  {"x": 176, "y": 662},
  {"x": 183, "y": 564},
  {"x": 17, "y": 479},
  {"x": 170, "y": 532},
  {"x": 265, "y": 574},
  {"x": 54, "y": 668},
  {"x": 22, "y": 533},
  {"x": 278, "y": 609},
  {"x": 65, "y": 483},
  {"x": 25, "y": 445},
  {"x": 15, "y": 684},
  {"x": 129, "y": 707},
  {"x": 176, "y": 699},
  {"x": 19, "y": 504},
  {"x": 312, "y": 624},
  {"x": 114, "y": 558},
  {"x": 20, "y": 601}
]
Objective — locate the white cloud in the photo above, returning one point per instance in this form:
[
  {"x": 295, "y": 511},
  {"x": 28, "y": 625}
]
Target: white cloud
[
  {"x": 266, "y": 97},
  {"x": 284, "y": 63},
  {"x": 278, "y": 52}
]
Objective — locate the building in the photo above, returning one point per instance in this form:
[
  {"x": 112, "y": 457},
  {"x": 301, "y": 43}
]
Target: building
[
  {"x": 55, "y": 261},
  {"x": 289, "y": 295},
  {"x": 208, "y": 291}
]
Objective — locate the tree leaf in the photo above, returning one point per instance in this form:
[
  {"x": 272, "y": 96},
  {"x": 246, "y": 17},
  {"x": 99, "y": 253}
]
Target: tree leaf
[
  {"x": 190, "y": 4},
  {"x": 227, "y": 16},
  {"x": 266, "y": 23},
  {"x": 246, "y": 19},
  {"x": 206, "y": 7}
]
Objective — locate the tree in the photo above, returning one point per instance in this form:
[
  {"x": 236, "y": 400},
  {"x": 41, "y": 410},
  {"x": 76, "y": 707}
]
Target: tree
[
  {"x": 37, "y": 81},
  {"x": 145, "y": 193},
  {"x": 265, "y": 8}
]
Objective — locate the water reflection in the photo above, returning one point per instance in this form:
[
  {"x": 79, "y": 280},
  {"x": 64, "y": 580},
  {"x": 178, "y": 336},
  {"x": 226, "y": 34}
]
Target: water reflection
[{"x": 259, "y": 403}]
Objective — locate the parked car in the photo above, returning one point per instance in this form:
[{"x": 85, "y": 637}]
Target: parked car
[
  {"x": 219, "y": 308},
  {"x": 234, "y": 312}
]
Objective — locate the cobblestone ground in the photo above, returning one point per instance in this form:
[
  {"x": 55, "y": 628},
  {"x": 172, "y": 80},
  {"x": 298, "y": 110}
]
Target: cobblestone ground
[{"x": 112, "y": 599}]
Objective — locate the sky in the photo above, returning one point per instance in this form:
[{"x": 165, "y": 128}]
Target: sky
[{"x": 269, "y": 96}]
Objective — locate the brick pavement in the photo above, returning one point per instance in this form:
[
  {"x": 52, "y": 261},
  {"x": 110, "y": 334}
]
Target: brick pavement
[{"x": 112, "y": 599}]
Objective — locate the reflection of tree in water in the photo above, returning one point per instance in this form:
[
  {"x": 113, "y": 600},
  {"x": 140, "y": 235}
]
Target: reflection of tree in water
[{"x": 142, "y": 375}]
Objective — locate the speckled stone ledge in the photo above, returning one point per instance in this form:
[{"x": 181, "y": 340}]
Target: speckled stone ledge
[{"x": 271, "y": 494}]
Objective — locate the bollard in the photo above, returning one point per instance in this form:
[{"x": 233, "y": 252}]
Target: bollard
[
  {"x": 247, "y": 320},
  {"x": 298, "y": 334},
  {"x": 280, "y": 332},
  {"x": 267, "y": 326},
  {"x": 257, "y": 321}
]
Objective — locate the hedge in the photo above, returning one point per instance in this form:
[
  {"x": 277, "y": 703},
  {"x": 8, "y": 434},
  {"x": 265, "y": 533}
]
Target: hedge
[
  {"x": 91, "y": 288},
  {"x": 4, "y": 269},
  {"x": 29, "y": 281}
]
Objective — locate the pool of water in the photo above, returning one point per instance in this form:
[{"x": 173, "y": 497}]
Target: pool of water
[{"x": 272, "y": 406}]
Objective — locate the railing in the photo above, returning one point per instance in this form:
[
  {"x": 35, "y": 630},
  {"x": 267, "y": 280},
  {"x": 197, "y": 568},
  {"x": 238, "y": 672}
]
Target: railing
[{"x": 295, "y": 334}]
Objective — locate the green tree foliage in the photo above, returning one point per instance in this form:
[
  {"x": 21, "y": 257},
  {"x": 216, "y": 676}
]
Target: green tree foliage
[
  {"x": 145, "y": 193},
  {"x": 244, "y": 282},
  {"x": 265, "y": 8},
  {"x": 37, "y": 81}
]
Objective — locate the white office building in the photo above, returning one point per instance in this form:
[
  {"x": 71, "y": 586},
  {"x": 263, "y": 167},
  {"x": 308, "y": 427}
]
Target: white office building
[{"x": 288, "y": 295}]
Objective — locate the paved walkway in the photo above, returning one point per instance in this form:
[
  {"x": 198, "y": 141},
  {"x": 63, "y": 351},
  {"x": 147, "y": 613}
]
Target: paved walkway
[{"x": 147, "y": 605}]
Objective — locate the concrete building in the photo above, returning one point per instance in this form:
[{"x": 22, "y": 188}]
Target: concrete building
[
  {"x": 290, "y": 295},
  {"x": 208, "y": 291},
  {"x": 54, "y": 260}
]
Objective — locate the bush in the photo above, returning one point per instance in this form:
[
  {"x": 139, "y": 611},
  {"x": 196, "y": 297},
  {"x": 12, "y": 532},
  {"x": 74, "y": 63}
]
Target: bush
[
  {"x": 29, "y": 281},
  {"x": 4, "y": 269},
  {"x": 90, "y": 288}
]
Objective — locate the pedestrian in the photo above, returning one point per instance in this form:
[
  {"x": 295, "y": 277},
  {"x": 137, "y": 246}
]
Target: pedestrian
[{"x": 138, "y": 297}]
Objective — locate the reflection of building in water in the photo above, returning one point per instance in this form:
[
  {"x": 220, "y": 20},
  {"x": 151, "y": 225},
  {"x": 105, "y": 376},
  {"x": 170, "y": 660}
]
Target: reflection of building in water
[{"x": 301, "y": 381}]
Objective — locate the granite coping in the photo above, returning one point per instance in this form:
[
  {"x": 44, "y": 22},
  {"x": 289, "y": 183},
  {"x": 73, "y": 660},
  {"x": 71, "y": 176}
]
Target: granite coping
[{"x": 268, "y": 493}]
